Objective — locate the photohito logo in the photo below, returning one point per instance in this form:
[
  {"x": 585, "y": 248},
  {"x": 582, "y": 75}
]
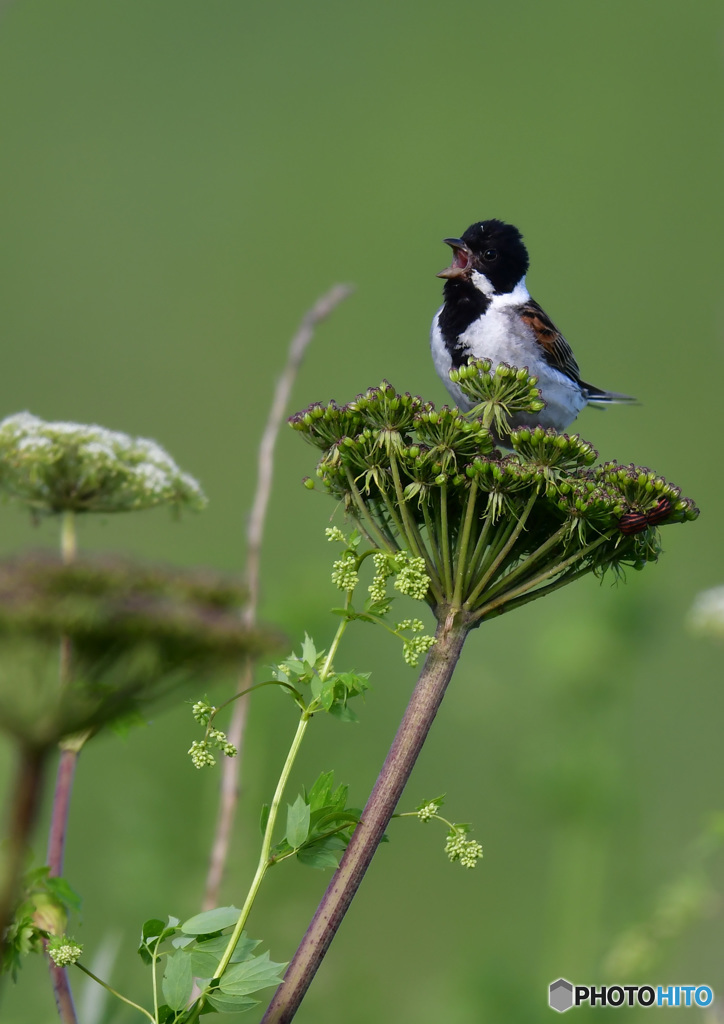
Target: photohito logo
[{"x": 563, "y": 994}]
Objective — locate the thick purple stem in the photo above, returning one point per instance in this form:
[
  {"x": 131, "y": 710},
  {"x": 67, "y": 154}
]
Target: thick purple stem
[
  {"x": 411, "y": 735},
  {"x": 61, "y": 806}
]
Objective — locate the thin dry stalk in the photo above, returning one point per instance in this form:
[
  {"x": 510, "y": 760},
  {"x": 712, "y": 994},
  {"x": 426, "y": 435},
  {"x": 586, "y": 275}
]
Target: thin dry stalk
[{"x": 231, "y": 768}]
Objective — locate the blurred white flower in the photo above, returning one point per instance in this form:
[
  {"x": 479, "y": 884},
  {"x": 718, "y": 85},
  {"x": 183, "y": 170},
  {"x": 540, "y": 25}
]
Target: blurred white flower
[
  {"x": 707, "y": 613},
  {"x": 57, "y": 467}
]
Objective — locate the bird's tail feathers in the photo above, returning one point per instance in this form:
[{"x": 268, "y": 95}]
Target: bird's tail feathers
[{"x": 597, "y": 396}]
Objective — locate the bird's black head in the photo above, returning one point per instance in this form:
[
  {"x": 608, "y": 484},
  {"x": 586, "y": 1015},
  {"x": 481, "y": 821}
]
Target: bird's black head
[{"x": 490, "y": 255}]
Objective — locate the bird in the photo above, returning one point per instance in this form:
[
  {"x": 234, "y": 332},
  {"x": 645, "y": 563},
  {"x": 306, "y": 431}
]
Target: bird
[{"x": 488, "y": 313}]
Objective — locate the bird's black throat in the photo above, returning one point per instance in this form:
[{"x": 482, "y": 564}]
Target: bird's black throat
[{"x": 463, "y": 305}]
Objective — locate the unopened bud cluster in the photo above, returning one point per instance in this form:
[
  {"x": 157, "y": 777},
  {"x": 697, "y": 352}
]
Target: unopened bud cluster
[
  {"x": 416, "y": 645},
  {"x": 200, "y": 750},
  {"x": 465, "y": 851},
  {"x": 427, "y": 812}
]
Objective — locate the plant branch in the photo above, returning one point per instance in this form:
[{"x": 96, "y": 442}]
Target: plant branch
[
  {"x": 117, "y": 994},
  {"x": 231, "y": 768},
  {"x": 418, "y": 718}
]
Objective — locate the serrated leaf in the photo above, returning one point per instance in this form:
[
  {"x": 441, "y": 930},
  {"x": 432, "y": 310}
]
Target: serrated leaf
[
  {"x": 354, "y": 682},
  {"x": 318, "y": 795},
  {"x": 250, "y": 976},
  {"x": 211, "y": 921},
  {"x": 309, "y": 651},
  {"x": 343, "y": 713},
  {"x": 326, "y": 694},
  {"x": 297, "y": 822},
  {"x": 230, "y": 1004},
  {"x": 177, "y": 980},
  {"x": 338, "y": 799},
  {"x": 264, "y": 819}
]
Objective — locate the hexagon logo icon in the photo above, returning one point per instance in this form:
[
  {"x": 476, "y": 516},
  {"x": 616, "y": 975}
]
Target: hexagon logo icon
[{"x": 560, "y": 995}]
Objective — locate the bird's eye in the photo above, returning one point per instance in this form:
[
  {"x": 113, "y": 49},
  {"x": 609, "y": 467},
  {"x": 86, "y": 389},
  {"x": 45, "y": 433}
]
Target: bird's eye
[{"x": 490, "y": 255}]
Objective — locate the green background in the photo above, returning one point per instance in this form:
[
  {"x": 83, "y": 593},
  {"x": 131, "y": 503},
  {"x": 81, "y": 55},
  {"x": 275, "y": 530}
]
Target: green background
[{"x": 179, "y": 181}]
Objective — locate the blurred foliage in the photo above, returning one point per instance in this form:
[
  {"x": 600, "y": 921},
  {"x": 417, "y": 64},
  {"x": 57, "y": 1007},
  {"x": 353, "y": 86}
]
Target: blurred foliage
[
  {"x": 180, "y": 181},
  {"x": 137, "y": 633}
]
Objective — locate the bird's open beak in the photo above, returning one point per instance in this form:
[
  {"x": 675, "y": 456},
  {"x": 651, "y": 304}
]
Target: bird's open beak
[{"x": 462, "y": 259}]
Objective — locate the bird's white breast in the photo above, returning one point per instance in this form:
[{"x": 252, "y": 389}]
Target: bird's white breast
[{"x": 501, "y": 336}]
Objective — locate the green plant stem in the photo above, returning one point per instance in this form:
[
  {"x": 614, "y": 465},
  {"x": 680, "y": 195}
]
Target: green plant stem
[
  {"x": 418, "y": 718},
  {"x": 414, "y": 538},
  {"x": 552, "y": 570},
  {"x": 265, "y": 861},
  {"x": 364, "y": 515},
  {"x": 462, "y": 552},
  {"x": 490, "y": 572},
  {"x": 118, "y": 995},
  {"x": 68, "y": 538},
  {"x": 533, "y": 595},
  {"x": 434, "y": 548},
  {"x": 479, "y": 549},
  {"x": 529, "y": 561},
  {"x": 445, "y": 536},
  {"x": 263, "y": 864}
]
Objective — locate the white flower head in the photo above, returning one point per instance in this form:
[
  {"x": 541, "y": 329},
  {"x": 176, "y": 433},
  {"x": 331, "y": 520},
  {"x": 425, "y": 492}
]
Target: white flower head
[{"x": 56, "y": 467}]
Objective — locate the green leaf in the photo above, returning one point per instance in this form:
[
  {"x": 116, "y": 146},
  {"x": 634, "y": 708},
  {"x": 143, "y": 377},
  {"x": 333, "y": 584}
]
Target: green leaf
[
  {"x": 338, "y": 799},
  {"x": 230, "y": 1004},
  {"x": 211, "y": 921},
  {"x": 203, "y": 965},
  {"x": 264, "y": 818},
  {"x": 152, "y": 929},
  {"x": 297, "y": 822},
  {"x": 177, "y": 980},
  {"x": 326, "y": 694},
  {"x": 318, "y": 855},
  {"x": 309, "y": 651},
  {"x": 153, "y": 933},
  {"x": 354, "y": 682},
  {"x": 318, "y": 795},
  {"x": 343, "y": 713},
  {"x": 218, "y": 945},
  {"x": 251, "y": 976},
  {"x": 316, "y": 685}
]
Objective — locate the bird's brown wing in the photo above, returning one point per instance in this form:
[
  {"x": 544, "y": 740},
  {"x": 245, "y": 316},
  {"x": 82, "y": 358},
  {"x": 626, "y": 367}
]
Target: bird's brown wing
[{"x": 555, "y": 348}]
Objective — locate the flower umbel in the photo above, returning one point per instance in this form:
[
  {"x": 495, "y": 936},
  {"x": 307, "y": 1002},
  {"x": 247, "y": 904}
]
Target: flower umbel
[
  {"x": 64, "y": 951},
  {"x": 465, "y": 528}
]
